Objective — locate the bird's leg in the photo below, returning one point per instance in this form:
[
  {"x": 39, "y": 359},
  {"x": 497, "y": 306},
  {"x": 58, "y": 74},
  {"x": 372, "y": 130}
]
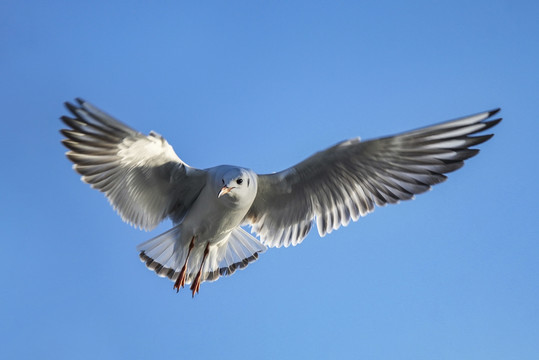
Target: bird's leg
[
  {"x": 195, "y": 286},
  {"x": 180, "y": 281}
]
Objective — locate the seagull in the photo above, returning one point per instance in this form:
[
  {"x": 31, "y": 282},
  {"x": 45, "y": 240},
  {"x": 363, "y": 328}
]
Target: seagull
[{"x": 146, "y": 182}]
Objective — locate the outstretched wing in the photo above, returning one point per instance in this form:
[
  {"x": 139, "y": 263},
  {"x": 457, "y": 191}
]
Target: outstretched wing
[
  {"x": 345, "y": 181},
  {"x": 143, "y": 178}
]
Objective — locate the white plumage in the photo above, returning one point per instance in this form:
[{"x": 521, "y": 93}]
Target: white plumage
[{"x": 146, "y": 182}]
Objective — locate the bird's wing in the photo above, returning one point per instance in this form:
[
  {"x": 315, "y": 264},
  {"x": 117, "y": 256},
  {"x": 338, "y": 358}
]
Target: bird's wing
[
  {"x": 345, "y": 181},
  {"x": 143, "y": 178}
]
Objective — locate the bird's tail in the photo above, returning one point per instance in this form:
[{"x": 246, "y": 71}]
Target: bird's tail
[{"x": 166, "y": 255}]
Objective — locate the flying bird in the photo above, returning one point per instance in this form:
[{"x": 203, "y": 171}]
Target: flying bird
[{"x": 146, "y": 182}]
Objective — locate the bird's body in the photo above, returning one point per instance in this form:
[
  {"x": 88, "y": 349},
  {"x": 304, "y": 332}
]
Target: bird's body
[
  {"x": 211, "y": 225},
  {"x": 146, "y": 182},
  {"x": 212, "y": 218}
]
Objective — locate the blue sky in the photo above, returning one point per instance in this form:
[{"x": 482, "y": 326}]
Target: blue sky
[{"x": 451, "y": 275}]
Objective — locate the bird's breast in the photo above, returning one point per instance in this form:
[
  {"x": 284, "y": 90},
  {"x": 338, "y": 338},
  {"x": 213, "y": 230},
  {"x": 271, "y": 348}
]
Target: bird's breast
[{"x": 211, "y": 220}]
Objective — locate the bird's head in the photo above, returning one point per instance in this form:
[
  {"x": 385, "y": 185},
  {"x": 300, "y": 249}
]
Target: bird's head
[{"x": 237, "y": 184}]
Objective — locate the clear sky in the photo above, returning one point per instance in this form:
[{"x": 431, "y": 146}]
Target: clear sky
[{"x": 453, "y": 274}]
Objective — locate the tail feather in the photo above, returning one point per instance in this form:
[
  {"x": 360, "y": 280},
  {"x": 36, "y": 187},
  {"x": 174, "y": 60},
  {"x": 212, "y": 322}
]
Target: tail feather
[
  {"x": 166, "y": 254},
  {"x": 163, "y": 252},
  {"x": 240, "y": 250}
]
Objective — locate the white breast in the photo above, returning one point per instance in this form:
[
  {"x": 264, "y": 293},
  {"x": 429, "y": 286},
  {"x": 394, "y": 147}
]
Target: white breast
[{"x": 212, "y": 219}]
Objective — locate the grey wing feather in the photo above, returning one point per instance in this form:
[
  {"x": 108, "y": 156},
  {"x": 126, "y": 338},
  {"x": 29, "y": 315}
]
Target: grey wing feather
[
  {"x": 346, "y": 181},
  {"x": 143, "y": 178}
]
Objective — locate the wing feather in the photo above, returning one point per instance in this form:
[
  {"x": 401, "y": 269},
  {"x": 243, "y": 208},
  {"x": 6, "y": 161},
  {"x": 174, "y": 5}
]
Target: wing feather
[
  {"x": 143, "y": 178},
  {"x": 347, "y": 180}
]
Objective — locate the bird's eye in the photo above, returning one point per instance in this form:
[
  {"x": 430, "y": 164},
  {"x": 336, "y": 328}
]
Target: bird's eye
[{"x": 239, "y": 181}]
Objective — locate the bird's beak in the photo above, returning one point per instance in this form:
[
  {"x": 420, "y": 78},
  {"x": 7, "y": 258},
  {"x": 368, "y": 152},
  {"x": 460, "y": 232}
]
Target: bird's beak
[{"x": 224, "y": 190}]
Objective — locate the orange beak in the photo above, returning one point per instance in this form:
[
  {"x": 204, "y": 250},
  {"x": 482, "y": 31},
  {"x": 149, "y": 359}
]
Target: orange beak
[{"x": 224, "y": 190}]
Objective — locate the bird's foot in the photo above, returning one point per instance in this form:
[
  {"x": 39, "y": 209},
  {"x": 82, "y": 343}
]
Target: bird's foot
[
  {"x": 180, "y": 281},
  {"x": 195, "y": 286}
]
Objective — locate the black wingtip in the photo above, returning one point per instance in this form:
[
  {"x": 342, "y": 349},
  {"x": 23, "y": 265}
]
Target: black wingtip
[
  {"x": 494, "y": 112},
  {"x": 69, "y": 121},
  {"x": 72, "y": 108},
  {"x": 480, "y": 139},
  {"x": 493, "y": 123}
]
